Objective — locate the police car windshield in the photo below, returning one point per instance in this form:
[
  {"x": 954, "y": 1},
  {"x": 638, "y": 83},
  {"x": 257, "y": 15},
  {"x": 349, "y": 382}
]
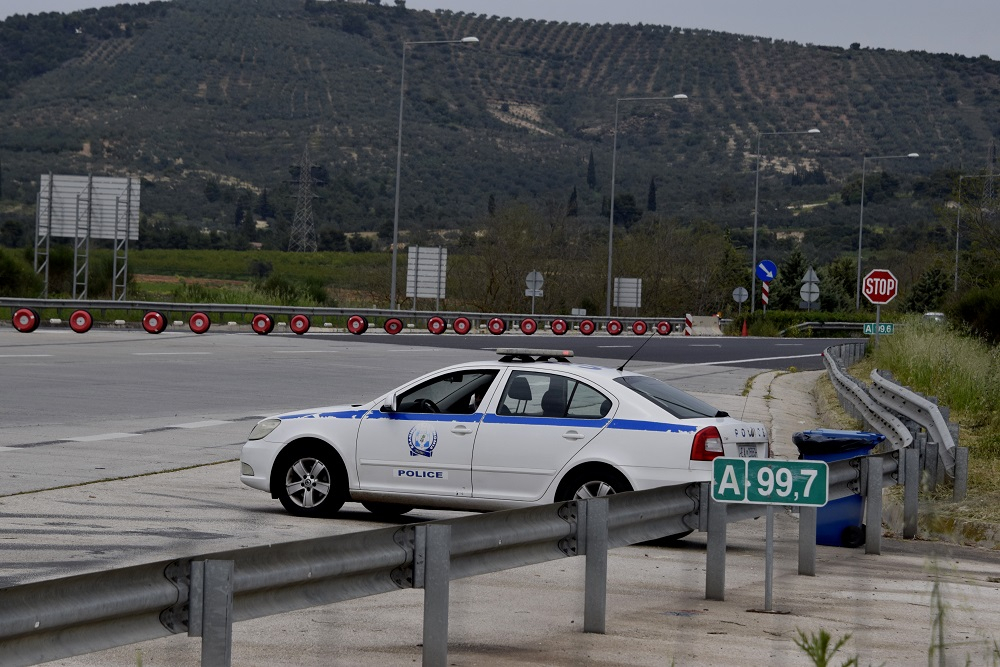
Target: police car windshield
[{"x": 671, "y": 399}]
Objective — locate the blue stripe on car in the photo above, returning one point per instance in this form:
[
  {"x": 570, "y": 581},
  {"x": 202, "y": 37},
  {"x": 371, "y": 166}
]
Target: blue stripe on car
[
  {"x": 340, "y": 414},
  {"x": 637, "y": 425}
]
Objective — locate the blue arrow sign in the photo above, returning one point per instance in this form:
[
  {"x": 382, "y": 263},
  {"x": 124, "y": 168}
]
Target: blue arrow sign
[{"x": 767, "y": 271}]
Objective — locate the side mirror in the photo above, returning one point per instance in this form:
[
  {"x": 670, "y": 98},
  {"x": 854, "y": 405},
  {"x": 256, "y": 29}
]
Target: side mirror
[{"x": 389, "y": 405}]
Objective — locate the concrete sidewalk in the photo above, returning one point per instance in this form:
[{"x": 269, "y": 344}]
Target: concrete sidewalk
[{"x": 892, "y": 605}]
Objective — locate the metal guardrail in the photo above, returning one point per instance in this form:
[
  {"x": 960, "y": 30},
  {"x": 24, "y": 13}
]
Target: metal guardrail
[
  {"x": 905, "y": 417},
  {"x": 853, "y": 394},
  {"x": 829, "y": 326},
  {"x": 203, "y": 595}
]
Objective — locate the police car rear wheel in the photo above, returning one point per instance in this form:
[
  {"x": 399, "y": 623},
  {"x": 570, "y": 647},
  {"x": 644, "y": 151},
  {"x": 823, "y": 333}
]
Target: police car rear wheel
[
  {"x": 386, "y": 509},
  {"x": 309, "y": 485},
  {"x": 592, "y": 484}
]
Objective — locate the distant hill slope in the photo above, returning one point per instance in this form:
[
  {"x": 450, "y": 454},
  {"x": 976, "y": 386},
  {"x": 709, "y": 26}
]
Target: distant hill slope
[{"x": 196, "y": 93}]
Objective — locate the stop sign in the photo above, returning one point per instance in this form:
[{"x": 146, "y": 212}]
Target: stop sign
[{"x": 880, "y": 286}]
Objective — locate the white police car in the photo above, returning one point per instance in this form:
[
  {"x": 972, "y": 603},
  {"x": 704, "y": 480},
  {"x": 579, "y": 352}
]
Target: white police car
[{"x": 527, "y": 429}]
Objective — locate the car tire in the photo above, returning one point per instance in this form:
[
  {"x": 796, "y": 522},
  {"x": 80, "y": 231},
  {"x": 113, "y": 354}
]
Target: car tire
[
  {"x": 592, "y": 483},
  {"x": 299, "y": 324},
  {"x": 154, "y": 322},
  {"x": 528, "y": 326},
  {"x": 25, "y": 320},
  {"x": 393, "y": 326},
  {"x": 587, "y": 327},
  {"x": 310, "y": 482},
  {"x": 81, "y": 321},
  {"x": 559, "y": 327},
  {"x": 199, "y": 323},
  {"x": 461, "y": 325},
  {"x": 386, "y": 509},
  {"x": 262, "y": 324},
  {"x": 357, "y": 324},
  {"x": 613, "y": 327}
]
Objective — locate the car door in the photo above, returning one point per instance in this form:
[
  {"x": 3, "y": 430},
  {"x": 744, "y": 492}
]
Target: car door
[
  {"x": 421, "y": 442},
  {"x": 539, "y": 422}
]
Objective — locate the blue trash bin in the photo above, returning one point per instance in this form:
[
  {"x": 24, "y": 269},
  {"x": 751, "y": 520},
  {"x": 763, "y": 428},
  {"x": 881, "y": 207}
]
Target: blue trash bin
[{"x": 839, "y": 522}]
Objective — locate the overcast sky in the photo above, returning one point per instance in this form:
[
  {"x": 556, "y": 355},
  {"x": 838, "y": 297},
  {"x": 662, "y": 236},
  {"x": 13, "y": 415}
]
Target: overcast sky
[{"x": 968, "y": 27}]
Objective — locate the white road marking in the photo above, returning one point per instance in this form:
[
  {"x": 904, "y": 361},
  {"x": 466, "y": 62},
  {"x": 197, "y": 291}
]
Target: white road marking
[
  {"x": 102, "y": 436},
  {"x": 9, "y": 449},
  {"x": 305, "y": 351},
  {"x": 164, "y": 354},
  {"x": 729, "y": 362},
  {"x": 203, "y": 424},
  {"x": 16, "y": 356},
  {"x": 612, "y": 346}
]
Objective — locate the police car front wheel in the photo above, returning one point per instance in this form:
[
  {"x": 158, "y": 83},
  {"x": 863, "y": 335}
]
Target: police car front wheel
[
  {"x": 592, "y": 484},
  {"x": 310, "y": 485}
]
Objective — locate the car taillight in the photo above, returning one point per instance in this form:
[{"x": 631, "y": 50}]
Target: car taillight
[{"x": 707, "y": 444}]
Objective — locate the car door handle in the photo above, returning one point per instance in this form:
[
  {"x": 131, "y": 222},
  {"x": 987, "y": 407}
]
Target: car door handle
[
  {"x": 573, "y": 435},
  {"x": 461, "y": 430}
]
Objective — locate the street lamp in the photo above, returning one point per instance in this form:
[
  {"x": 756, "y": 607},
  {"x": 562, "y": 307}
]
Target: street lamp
[
  {"x": 399, "y": 154},
  {"x": 614, "y": 159},
  {"x": 756, "y": 199},
  {"x": 861, "y": 222}
]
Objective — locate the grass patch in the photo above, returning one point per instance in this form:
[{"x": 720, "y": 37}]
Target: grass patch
[{"x": 963, "y": 372}]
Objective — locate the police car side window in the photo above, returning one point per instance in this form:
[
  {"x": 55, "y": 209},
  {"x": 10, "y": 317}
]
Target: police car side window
[
  {"x": 587, "y": 403},
  {"x": 542, "y": 395},
  {"x": 454, "y": 393}
]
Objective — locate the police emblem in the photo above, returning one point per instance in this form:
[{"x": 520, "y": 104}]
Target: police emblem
[{"x": 422, "y": 441}]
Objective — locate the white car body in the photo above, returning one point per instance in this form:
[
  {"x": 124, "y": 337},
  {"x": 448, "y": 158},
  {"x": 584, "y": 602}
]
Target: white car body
[{"x": 545, "y": 430}]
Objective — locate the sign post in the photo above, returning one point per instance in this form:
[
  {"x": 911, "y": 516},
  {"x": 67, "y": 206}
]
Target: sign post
[
  {"x": 770, "y": 482},
  {"x": 534, "y": 282},
  {"x": 766, "y": 271},
  {"x": 879, "y": 287}
]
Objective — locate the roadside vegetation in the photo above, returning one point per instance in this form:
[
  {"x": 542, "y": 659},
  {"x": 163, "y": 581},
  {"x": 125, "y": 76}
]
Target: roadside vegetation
[{"x": 963, "y": 372}]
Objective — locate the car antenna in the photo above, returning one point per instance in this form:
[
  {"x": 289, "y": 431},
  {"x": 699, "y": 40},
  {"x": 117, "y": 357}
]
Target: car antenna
[{"x": 622, "y": 367}]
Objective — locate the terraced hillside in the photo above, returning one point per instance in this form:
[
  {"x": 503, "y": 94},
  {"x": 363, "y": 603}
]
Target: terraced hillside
[{"x": 212, "y": 102}]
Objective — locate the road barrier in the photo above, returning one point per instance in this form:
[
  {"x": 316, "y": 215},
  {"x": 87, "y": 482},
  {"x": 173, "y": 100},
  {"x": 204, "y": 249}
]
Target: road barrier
[
  {"x": 204, "y": 595},
  {"x": 25, "y": 317},
  {"x": 913, "y": 424}
]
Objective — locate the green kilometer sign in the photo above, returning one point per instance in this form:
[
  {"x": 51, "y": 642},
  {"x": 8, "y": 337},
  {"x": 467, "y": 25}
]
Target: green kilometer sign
[
  {"x": 770, "y": 481},
  {"x": 884, "y": 328}
]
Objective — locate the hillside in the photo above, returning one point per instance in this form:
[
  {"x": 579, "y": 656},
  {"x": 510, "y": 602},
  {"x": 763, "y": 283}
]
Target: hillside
[{"x": 213, "y": 101}]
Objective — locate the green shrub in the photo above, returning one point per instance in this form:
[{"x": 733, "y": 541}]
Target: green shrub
[
  {"x": 980, "y": 311},
  {"x": 17, "y": 277}
]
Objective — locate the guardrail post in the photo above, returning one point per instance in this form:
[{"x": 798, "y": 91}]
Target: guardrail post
[
  {"x": 873, "y": 505},
  {"x": 930, "y": 450},
  {"x": 715, "y": 557},
  {"x": 961, "y": 473},
  {"x": 432, "y": 572},
  {"x": 807, "y": 540},
  {"x": 595, "y": 526},
  {"x": 911, "y": 491},
  {"x": 210, "y": 610}
]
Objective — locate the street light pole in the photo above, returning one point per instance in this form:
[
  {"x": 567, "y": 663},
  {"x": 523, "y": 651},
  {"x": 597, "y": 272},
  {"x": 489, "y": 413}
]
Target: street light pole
[
  {"x": 756, "y": 199},
  {"x": 614, "y": 161},
  {"x": 399, "y": 154},
  {"x": 861, "y": 222}
]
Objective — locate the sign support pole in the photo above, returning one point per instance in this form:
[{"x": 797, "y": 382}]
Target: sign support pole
[
  {"x": 769, "y": 561},
  {"x": 878, "y": 320}
]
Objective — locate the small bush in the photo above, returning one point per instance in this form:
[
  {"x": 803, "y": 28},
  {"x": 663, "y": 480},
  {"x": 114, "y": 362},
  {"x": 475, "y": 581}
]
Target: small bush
[{"x": 17, "y": 277}]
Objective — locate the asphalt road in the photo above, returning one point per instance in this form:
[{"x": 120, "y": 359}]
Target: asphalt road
[
  {"x": 105, "y": 416},
  {"x": 763, "y": 353}
]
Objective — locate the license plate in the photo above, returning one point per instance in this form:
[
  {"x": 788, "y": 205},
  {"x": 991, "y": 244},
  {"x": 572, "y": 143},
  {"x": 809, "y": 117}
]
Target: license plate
[{"x": 748, "y": 451}]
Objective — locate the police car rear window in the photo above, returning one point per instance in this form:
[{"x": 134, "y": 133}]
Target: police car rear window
[{"x": 671, "y": 399}]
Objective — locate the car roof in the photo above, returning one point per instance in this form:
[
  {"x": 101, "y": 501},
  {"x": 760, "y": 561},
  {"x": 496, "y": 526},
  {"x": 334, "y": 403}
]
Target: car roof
[{"x": 542, "y": 360}]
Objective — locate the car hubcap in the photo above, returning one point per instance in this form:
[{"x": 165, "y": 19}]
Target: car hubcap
[
  {"x": 308, "y": 482},
  {"x": 595, "y": 489}
]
